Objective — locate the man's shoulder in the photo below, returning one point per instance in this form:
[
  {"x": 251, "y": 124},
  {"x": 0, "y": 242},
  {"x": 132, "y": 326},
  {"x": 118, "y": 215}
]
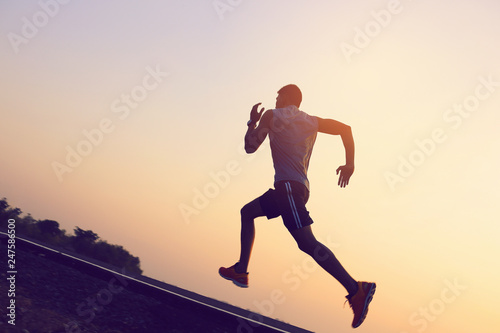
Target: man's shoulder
[
  {"x": 313, "y": 120},
  {"x": 281, "y": 118},
  {"x": 267, "y": 116}
]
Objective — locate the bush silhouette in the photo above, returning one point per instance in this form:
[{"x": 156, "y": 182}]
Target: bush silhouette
[{"x": 85, "y": 242}]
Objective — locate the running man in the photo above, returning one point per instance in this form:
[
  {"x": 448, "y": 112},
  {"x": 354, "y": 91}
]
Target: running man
[{"x": 292, "y": 134}]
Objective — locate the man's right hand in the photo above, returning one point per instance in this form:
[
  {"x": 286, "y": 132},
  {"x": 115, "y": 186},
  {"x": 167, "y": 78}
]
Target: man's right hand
[{"x": 346, "y": 172}]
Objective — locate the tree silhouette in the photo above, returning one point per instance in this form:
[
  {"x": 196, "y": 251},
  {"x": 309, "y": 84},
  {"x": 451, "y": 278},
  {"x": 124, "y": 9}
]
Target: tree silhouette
[
  {"x": 85, "y": 242},
  {"x": 3, "y": 205},
  {"x": 7, "y": 212},
  {"x": 49, "y": 227},
  {"x": 85, "y": 235}
]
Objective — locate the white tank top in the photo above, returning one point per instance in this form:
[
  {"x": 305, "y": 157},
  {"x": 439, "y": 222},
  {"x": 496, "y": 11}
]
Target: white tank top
[{"x": 292, "y": 136}]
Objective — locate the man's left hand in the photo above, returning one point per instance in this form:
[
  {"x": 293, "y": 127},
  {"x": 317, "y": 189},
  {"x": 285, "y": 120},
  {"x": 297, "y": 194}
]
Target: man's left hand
[{"x": 255, "y": 114}]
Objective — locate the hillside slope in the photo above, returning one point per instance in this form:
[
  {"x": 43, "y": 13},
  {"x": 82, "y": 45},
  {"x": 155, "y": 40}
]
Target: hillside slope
[{"x": 56, "y": 293}]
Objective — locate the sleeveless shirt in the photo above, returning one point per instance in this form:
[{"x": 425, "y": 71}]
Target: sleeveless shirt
[{"x": 292, "y": 136}]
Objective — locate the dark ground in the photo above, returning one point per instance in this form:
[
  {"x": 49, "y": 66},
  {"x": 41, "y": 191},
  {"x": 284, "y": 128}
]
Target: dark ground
[
  {"x": 48, "y": 295},
  {"x": 56, "y": 295}
]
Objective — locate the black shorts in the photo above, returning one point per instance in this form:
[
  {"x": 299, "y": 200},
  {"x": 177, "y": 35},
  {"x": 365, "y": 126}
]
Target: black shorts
[{"x": 288, "y": 200}]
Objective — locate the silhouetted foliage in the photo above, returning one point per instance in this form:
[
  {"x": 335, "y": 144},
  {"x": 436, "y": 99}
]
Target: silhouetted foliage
[
  {"x": 83, "y": 241},
  {"x": 3, "y": 204},
  {"x": 7, "y": 212},
  {"x": 49, "y": 227},
  {"x": 85, "y": 235}
]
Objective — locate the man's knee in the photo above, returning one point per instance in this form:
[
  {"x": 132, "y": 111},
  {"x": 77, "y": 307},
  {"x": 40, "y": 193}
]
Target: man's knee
[
  {"x": 249, "y": 211},
  {"x": 245, "y": 211},
  {"x": 308, "y": 246}
]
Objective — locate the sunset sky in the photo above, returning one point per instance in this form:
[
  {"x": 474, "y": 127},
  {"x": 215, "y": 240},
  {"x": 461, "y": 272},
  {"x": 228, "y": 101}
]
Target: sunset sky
[{"x": 128, "y": 118}]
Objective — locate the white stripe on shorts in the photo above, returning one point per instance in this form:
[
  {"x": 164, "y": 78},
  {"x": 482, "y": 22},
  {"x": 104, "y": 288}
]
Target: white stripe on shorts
[{"x": 292, "y": 205}]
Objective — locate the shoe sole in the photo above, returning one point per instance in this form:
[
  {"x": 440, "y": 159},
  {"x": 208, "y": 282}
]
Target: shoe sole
[
  {"x": 239, "y": 284},
  {"x": 368, "y": 299}
]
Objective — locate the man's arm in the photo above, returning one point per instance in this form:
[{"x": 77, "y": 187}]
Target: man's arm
[
  {"x": 333, "y": 127},
  {"x": 257, "y": 134}
]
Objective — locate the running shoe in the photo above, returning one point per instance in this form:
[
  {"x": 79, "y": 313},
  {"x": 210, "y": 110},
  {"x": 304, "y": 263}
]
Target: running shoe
[
  {"x": 239, "y": 279},
  {"x": 359, "y": 302}
]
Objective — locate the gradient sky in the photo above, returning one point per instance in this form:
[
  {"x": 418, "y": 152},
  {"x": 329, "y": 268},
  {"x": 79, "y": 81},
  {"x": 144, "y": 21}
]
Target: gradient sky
[{"x": 418, "y": 81}]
